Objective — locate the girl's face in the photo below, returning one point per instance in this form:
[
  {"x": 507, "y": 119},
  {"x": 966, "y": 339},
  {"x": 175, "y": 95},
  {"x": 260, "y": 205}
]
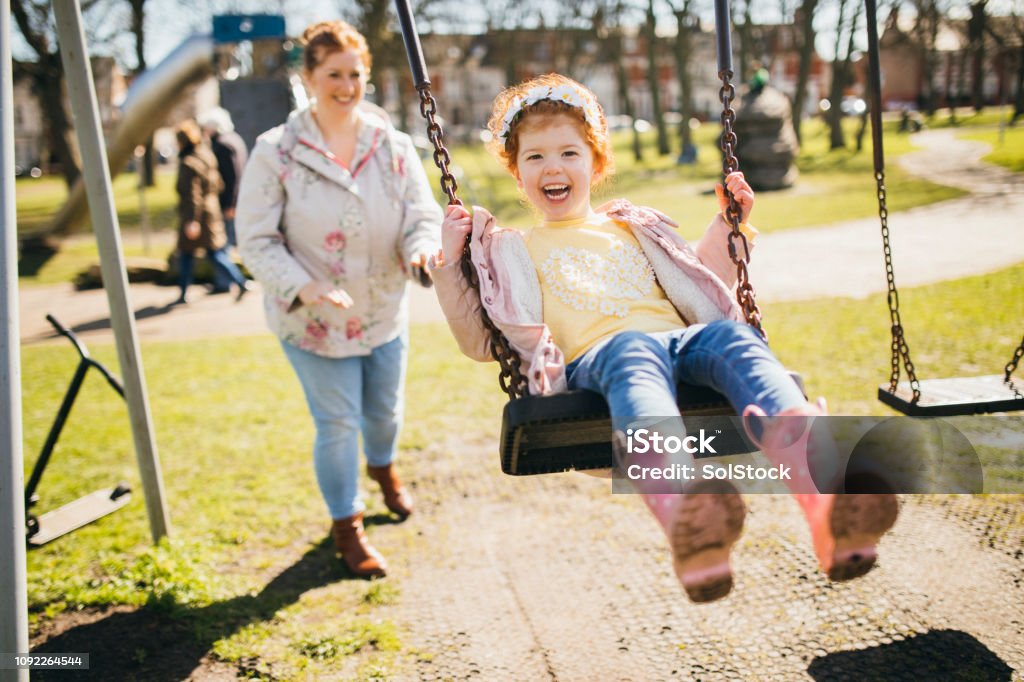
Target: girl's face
[
  {"x": 338, "y": 82},
  {"x": 555, "y": 166}
]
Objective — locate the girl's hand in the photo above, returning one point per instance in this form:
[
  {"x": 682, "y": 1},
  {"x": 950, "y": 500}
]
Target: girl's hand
[
  {"x": 457, "y": 224},
  {"x": 193, "y": 230},
  {"x": 324, "y": 292},
  {"x": 741, "y": 190}
]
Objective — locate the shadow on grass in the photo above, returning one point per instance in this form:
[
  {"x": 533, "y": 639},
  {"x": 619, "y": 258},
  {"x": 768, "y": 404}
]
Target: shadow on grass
[
  {"x": 35, "y": 253},
  {"x": 935, "y": 655},
  {"x": 168, "y": 643},
  {"x": 104, "y": 323}
]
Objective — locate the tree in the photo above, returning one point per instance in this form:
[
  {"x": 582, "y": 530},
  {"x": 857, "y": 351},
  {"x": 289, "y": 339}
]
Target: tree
[
  {"x": 608, "y": 20},
  {"x": 1018, "y": 28},
  {"x": 34, "y": 21},
  {"x": 976, "y": 26},
  {"x": 925, "y": 33},
  {"x": 652, "y": 79},
  {"x": 377, "y": 21},
  {"x": 683, "y": 54},
  {"x": 842, "y": 72},
  {"x": 806, "y": 17},
  {"x": 137, "y": 22}
]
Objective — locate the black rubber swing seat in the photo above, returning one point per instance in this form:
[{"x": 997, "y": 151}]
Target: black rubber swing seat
[
  {"x": 954, "y": 396},
  {"x": 572, "y": 430}
]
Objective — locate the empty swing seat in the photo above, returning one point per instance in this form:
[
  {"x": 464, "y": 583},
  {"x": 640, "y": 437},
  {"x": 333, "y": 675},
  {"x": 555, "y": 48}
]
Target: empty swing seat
[
  {"x": 572, "y": 430},
  {"x": 954, "y": 396}
]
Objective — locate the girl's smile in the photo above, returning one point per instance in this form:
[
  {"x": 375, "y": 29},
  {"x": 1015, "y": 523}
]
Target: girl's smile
[{"x": 555, "y": 168}]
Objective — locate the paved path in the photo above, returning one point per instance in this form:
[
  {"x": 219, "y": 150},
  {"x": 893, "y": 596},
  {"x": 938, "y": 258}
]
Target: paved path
[{"x": 930, "y": 244}]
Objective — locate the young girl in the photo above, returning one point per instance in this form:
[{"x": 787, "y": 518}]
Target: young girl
[{"x": 614, "y": 301}]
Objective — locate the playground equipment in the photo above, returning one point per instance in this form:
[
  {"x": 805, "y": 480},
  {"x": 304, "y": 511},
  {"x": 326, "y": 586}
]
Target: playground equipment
[
  {"x": 933, "y": 397},
  {"x": 42, "y": 529},
  {"x": 146, "y": 102},
  {"x": 256, "y": 103},
  {"x": 571, "y": 430}
]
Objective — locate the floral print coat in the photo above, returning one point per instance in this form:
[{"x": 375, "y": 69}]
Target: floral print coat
[{"x": 303, "y": 216}]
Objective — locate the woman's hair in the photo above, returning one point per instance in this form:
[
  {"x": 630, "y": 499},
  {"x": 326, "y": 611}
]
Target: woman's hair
[
  {"x": 535, "y": 104},
  {"x": 326, "y": 37},
  {"x": 188, "y": 135}
]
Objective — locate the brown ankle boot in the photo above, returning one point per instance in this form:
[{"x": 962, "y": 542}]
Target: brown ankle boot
[
  {"x": 396, "y": 497},
  {"x": 358, "y": 554}
]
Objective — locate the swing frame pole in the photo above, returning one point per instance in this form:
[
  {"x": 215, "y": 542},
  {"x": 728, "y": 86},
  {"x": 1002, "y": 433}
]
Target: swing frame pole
[
  {"x": 13, "y": 572},
  {"x": 96, "y": 171}
]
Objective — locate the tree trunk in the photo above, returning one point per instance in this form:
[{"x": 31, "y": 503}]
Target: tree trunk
[
  {"x": 652, "y": 81},
  {"x": 622, "y": 81},
  {"x": 835, "y": 91},
  {"x": 49, "y": 86},
  {"x": 807, "y": 9},
  {"x": 743, "y": 72},
  {"x": 976, "y": 37},
  {"x": 687, "y": 151},
  {"x": 138, "y": 22},
  {"x": 928, "y": 29},
  {"x": 1018, "y": 104}
]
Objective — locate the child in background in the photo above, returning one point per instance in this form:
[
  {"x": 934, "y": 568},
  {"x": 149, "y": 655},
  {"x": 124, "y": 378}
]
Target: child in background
[{"x": 614, "y": 301}]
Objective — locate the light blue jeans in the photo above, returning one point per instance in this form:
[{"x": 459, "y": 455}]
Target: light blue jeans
[
  {"x": 347, "y": 396},
  {"x": 637, "y": 373}
]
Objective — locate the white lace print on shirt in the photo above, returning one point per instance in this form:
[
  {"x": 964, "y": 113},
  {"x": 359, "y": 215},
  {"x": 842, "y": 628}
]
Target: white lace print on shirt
[{"x": 591, "y": 282}]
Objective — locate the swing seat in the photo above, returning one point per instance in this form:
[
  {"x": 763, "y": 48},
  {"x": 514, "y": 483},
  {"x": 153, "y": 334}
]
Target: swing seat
[
  {"x": 954, "y": 396},
  {"x": 74, "y": 515},
  {"x": 571, "y": 431}
]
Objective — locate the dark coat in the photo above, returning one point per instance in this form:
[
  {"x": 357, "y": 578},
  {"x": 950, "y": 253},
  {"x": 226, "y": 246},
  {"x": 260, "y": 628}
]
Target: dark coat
[
  {"x": 198, "y": 186},
  {"x": 231, "y": 153}
]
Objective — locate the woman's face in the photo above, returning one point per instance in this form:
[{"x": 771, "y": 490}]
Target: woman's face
[{"x": 338, "y": 82}]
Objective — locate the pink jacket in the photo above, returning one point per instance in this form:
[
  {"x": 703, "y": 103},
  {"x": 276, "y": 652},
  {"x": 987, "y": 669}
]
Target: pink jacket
[{"x": 698, "y": 281}]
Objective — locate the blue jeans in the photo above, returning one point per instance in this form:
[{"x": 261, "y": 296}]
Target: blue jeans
[
  {"x": 347, "y": 396},
  {"x": 221, "y": 282},
  {"x": 223, "y": 266},
  {"x": 637, "y": 373}
]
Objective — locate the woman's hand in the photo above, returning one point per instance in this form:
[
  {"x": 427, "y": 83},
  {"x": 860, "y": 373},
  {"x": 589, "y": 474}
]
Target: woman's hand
[
  {"x": 420, "y": 268},
  {"x": 741, "y": 190},
  {"x": 324, "y": 292},
  {"x": 457, "y": 224},
  {"x": 192, "y": 230}
]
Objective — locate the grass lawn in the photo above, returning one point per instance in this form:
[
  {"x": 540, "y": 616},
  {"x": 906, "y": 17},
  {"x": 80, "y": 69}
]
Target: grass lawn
[
  {"x": 1005, "y": 152},
  {"x": 234, "y": 440},
  {"x": 833, "y": 185},
  {"x": 39, "y": 198}
]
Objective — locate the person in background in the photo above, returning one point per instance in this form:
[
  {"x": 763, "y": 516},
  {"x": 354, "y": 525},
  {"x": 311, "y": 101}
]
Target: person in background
[
  {"x": 335, "y": 216},
  {"x": 232, "y": 153},
  {"x": 201, "y": 225}
]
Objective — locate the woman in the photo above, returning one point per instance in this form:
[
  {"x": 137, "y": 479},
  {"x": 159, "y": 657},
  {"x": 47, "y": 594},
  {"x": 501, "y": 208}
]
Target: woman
[
  {"x": 334, "y": 214},
  {"x": 201, "y": 225}
]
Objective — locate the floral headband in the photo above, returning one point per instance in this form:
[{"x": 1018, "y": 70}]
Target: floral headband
[{"x": 568, "y": 94}]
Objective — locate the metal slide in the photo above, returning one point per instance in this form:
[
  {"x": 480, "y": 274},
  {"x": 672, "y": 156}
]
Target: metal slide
[{"x": 143, "y": 111}]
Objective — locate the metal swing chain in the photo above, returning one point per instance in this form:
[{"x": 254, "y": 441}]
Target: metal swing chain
[
  {"x": 745, "y": 295},
  {"x": 899, "y": 341},
  {"x": 1011, "y": 366},
  {"x": 510, "y": 378},
  {"x": 428, "y": 108}
]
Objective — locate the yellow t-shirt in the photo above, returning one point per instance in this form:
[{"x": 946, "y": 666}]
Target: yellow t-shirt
[{"x": 596, "y": 282}]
